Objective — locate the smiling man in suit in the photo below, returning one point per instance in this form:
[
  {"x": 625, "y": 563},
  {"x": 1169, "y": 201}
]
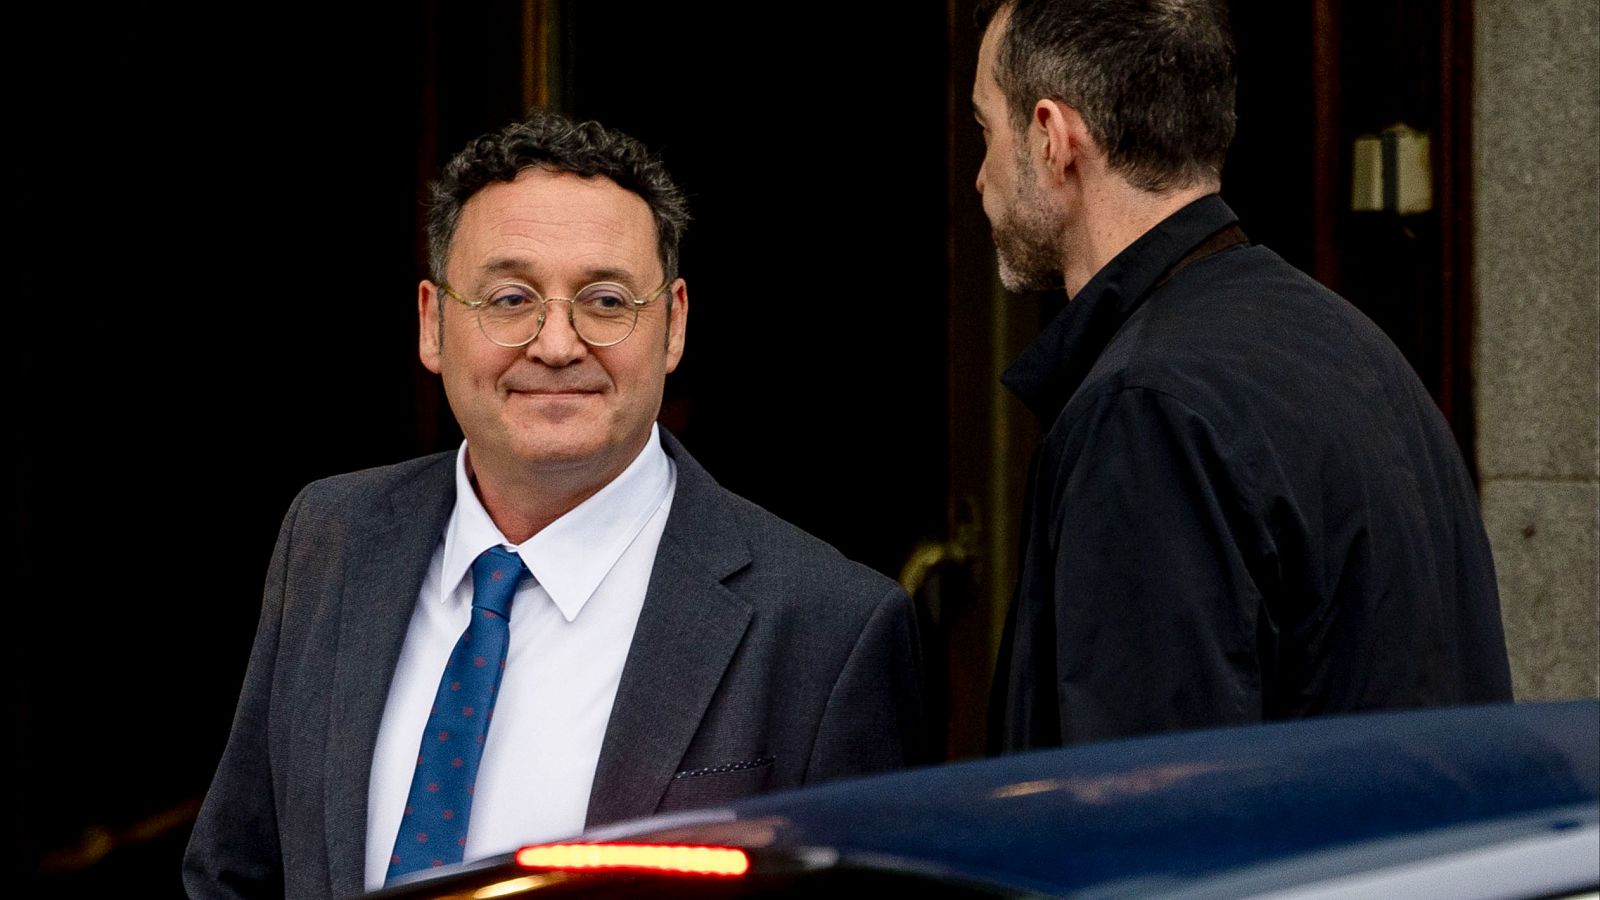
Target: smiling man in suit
[{"x": 641, "y": 639}]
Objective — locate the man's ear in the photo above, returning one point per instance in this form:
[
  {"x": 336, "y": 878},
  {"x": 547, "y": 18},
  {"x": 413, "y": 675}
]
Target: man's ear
[
  {"x": 430, "y": 327},
  {"x": 677, "y": 323},
  {"x": 1063, "y": 137}
]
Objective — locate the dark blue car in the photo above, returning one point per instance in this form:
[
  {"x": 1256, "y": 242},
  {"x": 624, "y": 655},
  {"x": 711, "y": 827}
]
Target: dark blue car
[{"x": 1489, "y": 802}]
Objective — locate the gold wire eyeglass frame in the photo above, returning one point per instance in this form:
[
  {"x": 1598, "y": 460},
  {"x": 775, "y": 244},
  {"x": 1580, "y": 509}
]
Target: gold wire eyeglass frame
[{"x": 634, "y": 305}]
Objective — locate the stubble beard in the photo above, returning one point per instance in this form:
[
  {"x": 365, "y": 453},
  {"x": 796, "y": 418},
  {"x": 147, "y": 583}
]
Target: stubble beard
[{"x": 1027, "y": 242}]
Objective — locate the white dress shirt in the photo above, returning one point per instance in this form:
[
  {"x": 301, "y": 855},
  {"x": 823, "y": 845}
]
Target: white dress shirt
[{"x": 571, "y": 626}]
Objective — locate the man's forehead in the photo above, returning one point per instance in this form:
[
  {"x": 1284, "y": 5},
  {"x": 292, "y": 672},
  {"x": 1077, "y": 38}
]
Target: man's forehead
[
  {"x": 545, "y": 220},
  {"x": 993, "y": 32},
  {"x": 562, "y": 197},
  {"x": 984, "y": 81}
]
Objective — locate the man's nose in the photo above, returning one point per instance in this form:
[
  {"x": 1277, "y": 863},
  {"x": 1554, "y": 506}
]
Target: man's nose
[
  {"x": 558, "y": 343},
  {"x": 979, "y": 180}
]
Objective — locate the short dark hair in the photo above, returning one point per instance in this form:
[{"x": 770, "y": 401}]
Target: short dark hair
[
  {"x": 551, "y": 141},
  {"x": 1153, "y": 79}
]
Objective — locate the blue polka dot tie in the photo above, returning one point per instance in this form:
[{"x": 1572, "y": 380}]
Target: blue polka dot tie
[{"x": 433, "y": 831}]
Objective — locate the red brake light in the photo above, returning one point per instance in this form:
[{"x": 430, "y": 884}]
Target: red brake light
[{"x": 683, "y": 860}]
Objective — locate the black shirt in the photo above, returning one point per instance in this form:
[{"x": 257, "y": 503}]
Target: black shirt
[{"x": 1246, "y": 507}]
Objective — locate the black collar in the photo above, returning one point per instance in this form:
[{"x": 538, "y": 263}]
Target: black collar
[{"x": 1051, "y": 368}]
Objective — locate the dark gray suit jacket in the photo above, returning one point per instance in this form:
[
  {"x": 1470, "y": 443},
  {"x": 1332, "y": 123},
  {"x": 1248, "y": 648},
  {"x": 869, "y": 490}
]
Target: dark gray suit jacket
[{"x": 762, "y": 660}]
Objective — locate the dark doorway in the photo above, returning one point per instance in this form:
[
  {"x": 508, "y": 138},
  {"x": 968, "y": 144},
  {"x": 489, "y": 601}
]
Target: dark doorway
[{"x": 812, "y": 151}]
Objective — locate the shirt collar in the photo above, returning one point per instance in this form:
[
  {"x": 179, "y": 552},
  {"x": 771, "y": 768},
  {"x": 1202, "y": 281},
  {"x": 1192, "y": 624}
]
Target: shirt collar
[
  {"x": 1051, "y": 368},
  {"x": 572, "y": 555}
]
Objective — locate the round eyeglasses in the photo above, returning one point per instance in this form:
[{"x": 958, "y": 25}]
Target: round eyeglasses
[{"x": 512, "y": 313}]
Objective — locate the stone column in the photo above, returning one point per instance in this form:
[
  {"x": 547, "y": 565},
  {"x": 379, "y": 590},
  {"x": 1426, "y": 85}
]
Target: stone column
[{"x": 1537, "y": 355}]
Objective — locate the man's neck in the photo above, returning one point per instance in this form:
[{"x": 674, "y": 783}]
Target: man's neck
[
  {"x": 525, "y": 505},
  {"x": 1114, "y": 215}
]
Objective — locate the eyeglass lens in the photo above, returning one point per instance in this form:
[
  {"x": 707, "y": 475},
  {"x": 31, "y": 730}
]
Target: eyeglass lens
[{"x": 602, "y": 314}]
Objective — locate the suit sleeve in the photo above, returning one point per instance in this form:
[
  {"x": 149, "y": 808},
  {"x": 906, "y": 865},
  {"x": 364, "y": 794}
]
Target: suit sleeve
[
  {"x": 233, "y": 851},
  {"x": 1155, "y": 608},
  {"x": 873, "y": 720}
]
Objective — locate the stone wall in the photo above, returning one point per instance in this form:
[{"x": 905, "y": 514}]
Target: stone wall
[{"x": 1537, "y": 354}]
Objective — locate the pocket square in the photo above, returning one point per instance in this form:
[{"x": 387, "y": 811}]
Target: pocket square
[{"x": 757, "y": 763}]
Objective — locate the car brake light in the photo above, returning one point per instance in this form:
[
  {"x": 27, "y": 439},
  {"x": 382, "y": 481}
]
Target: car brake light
[{"x": 683, "y": 860}]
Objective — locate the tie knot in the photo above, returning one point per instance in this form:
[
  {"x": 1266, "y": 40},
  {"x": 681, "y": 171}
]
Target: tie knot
[{"x": 495, "y": 574}]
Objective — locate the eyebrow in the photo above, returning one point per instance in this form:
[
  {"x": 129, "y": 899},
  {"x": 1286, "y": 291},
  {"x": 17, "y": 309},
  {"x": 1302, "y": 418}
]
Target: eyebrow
[{"x": 522, "y": 269}]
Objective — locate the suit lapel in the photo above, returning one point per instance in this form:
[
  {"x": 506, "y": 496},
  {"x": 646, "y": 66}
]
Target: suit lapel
[
  {"x": 689, "y": 628},
  {"x": 383, "y": 575}
]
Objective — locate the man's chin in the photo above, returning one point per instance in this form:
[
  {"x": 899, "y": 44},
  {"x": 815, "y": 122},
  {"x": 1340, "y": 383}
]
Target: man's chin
[
  {"x": 1012, "y": 280},
  {"x": 553, "y": 409},
  {"x": 1019, "y": 281}
]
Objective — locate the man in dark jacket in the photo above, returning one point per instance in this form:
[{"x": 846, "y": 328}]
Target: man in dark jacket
[{"x": 1246, "y": 506}]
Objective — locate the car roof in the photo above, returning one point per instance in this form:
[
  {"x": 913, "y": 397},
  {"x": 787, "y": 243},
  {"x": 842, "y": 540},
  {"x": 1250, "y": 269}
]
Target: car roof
[{"x": 1225, "y": 811}]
